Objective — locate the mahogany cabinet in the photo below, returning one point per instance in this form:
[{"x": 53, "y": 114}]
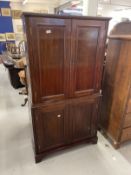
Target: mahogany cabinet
[
  {"x": 65, "y": 61},
  {"x": 115, "y": 118}
]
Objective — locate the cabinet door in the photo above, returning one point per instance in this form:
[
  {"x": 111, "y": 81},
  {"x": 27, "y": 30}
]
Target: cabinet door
[
  {"x": 83, "y": 117},
  {"x": 49, "y": 53},
  {"x": 88, "y": 45},
  {"x": 49, "y": 127}
]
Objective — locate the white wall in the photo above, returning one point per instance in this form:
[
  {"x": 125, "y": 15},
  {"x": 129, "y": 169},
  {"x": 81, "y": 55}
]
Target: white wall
[
  {"x": 63, "y": 1},
  {"x": 90, "y": 7},
  {"x": 30, "y": 7},
  {"x": 116, "y": 12},
  {"x": 121, "y": 2}
]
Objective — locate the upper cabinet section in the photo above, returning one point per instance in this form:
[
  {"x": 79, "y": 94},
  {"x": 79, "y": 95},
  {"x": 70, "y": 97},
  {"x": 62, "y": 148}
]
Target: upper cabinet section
[{"x": 65, "y": 56}]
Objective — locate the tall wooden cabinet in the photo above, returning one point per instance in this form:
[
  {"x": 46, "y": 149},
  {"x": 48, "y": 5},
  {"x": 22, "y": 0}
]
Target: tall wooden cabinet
[
  {"x": 115, "y": 118},
  {"x": 65, "y": 60}
]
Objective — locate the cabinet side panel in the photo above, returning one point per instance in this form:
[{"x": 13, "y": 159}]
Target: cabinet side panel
[
  {"x": 115, "y": 87},
  {"x": 29, "y": 54}
]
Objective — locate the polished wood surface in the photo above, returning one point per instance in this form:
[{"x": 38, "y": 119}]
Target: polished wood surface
[
  {"x": 52, "y": 54},
  {"x": 126, "y": 134},
  {"x": 65, "y": 59},
  {"x": 124, "y": 37},
  {"x": 88, "y": 41},
  {"x": 49, "y": 125},
  {"x": 127, "y": 122},
  {"x": 129, "y": 106},
  {"x": 115, "y": 116},
  {"x": 83, "y": 116}
]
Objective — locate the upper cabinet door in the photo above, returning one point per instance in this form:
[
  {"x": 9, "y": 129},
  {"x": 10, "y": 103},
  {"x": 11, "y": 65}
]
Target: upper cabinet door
[
  {"x": 88, "y": 45},
  {"x": 49, "y": 54}
]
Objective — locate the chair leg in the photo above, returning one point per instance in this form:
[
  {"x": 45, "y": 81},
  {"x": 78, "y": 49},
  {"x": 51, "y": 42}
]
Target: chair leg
[
  {"x": 25, "y": 101},
  {"x": 20, "y": 93}
]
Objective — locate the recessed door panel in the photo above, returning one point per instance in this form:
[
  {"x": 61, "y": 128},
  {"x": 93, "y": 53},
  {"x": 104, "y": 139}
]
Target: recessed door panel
[
  {"x": 51, "y": 54},
  {"x": 83, "y": 116},
  {"x": 87, "y": 56},
  {"x": 51, "y": 50},
  {"x": 50, "y": 128}
]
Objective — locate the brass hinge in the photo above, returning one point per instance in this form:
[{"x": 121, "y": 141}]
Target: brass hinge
[{"x": 100, "y": 91}]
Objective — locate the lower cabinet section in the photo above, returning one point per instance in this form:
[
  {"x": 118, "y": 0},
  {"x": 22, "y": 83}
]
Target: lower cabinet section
[{"x": 60, "y": 125}]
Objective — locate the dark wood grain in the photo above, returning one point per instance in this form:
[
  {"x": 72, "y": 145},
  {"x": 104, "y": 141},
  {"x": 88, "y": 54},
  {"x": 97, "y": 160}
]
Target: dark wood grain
[
  {"x": 129, "y": 106},
  {"x": 50, "y": 126},
  {"x": 88, "y": 41},
  {"x": 82, "y": 116},
  {"x": 127, "y": 122},
  {"x": 65, "y": 60}
]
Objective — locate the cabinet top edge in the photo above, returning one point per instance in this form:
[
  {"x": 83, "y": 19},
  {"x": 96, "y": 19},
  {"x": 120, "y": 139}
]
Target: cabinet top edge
[
  {"x": 28, "y": 14},
  {"x": 120, "y": 37}
]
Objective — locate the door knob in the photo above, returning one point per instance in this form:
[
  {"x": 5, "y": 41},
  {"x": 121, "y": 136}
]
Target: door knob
[
  {"x": 59, "y": 115},
  {"x": 48, "y": 31}
]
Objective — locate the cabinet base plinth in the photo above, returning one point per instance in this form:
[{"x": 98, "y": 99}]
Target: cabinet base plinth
[
  {"x": 94, "y": 140},
  {"x": 113, "y": 142},
  {"x": 39, "y": 157}
]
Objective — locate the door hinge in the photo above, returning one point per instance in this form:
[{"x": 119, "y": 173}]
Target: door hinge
[{"x": 100, "y": 91}]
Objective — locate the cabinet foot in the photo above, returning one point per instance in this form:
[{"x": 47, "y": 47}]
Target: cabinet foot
[
  {"x": 38, "y": 159},
  {"x": 94, "y": 140},
  {"x": 116, "y": 145}
]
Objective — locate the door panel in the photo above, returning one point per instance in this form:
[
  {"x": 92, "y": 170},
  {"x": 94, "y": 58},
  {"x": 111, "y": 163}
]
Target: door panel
[
  {"x": 51, "y": 49},
  {"x": 84, "y": 118},
  {"x": 51, "y": 54},
  {"x": 87, "y": 56},
  {"x": 50, "y": 128}
]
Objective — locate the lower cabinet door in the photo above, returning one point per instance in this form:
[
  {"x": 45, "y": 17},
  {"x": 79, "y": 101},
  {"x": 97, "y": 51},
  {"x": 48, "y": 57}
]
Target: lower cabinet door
[
  {"x": 84, "y": 120},
  {"x": 56, "y": 126},
  {"x": 49, "y": 126}
]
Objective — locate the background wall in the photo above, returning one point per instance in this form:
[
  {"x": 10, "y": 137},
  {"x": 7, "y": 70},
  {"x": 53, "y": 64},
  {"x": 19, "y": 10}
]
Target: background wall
[
  {"x": 40, "y": 6},
  {"x": 32, "y": 6},
  {"x": 6, "y": 25},
  {"x": 117, "y": 9}
]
